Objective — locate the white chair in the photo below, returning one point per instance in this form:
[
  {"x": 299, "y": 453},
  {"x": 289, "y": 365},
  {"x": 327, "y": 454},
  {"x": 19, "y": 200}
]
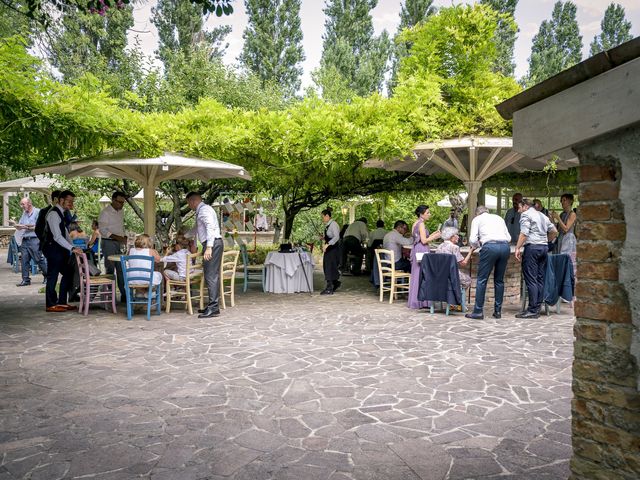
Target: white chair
[{"x": 391, "y": 280}]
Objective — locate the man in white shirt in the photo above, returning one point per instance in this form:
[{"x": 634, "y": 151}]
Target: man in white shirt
[
  {"x": 535, "y": 232},
  {"x": 30, "y": 245},
  {"x": 57, "y": 249},
  {"x": 354, "y": 236},
  {"x": 111, "y": 226},
  {"x": 395, "y": 240},
  {"x": 490, "y": 232},
  {"x": 207, "y": 230}
]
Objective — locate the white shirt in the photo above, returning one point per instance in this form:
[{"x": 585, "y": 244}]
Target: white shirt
[
  {"x": 488, "y": 227},
  {"x": 261, "y": 221},
  {"x": 535, "y": 226},
  {"x": 207, "y": 228},
  {"x": 333, "y": 232},
  {"x": 53, "y": 222},
  {"x": 394, "y": 241},
  {"x": 180, "y": 259},
  {"x": 111, "y": 222},
  {"x": 357, "y": 229},
  {"x": 377, "y": 234}
]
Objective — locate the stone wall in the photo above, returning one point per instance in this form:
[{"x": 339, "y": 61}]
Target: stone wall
[{"x": 606, "y": 404}]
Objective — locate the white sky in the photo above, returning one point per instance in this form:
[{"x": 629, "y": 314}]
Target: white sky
[{"x": 529, "y": 15}]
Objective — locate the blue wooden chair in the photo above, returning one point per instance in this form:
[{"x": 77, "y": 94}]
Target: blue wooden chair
[
  {"x": 251, "y": 273},
  {"x": 142, "y": 279}
]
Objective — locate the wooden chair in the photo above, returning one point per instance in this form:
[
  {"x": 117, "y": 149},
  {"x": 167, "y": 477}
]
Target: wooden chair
[
  {"x": 140, "y": 278},
  {"x": 180, "y": 291},
  {"x": 390, "y": 280},
  {"x": 99, "y": 289},
  {"x": 228, "y": 267},
  {"x": 251, "y": 273}
]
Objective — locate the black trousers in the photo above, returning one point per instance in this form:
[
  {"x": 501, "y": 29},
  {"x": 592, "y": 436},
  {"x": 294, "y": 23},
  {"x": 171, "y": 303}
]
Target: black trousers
[
  {"x": 534, "y": 267},
  {"x": 330, "y": 262},
  {"x": 57, "y": 263},
  {"x": 111, "y": 247},
  {"x": 352, "y": 245},
  {"x": 212, "y": 272}
]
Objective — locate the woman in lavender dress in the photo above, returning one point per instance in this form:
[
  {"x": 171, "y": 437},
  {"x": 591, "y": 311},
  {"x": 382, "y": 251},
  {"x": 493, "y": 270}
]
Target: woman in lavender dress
[{"x": 421, "y": 240}]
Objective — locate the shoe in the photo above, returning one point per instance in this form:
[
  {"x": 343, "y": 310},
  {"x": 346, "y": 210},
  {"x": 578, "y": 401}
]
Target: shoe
[
  {"x": 336, "y": 285},
  {"x": 202, "y": 310},
  {"x": 68, "y": 307},
  {"x": 56, "y": 308},
  {"x": 326, "y": 291},
  {"x": 475, "y": 316},
  {"x": 497, "y": 315},
  {"x": 528, "y": 315},
  {"x": 23, "y": 284},
  {"x": 209, "y": 312}
]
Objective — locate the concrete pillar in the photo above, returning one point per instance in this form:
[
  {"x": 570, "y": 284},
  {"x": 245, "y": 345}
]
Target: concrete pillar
[{"x": 5, "y": 209}]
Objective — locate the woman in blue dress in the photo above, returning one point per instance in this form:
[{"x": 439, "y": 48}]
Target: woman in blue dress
[{"x": 421, "y": 240}]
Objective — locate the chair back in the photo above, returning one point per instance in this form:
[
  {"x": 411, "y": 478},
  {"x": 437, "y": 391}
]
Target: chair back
[
  {"x": 137, "y": 268},
  {"x": 386, "y": 262},
  {"x": 229, "y": 263},
  {"x": 83, "y": 269},
  {"x": 194, "y": 265}
]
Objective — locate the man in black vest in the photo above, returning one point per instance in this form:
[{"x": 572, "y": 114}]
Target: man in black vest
[{"x": 57, "y": 249}]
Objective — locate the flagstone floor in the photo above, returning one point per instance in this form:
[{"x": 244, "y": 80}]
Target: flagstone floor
[{"x": 282, "y": 387}]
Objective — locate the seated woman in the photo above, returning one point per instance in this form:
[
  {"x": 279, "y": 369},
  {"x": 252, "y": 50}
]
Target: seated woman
[
  {"x": 144, "y": 246},
  {"x": 450, "y": 245},
  {"x": 78, "y": 237}
]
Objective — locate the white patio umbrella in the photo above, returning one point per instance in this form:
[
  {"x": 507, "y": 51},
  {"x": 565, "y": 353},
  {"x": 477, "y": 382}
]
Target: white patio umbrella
[
  {"x": 148, "y": 172},
  {"x": 490, "y": 201},
  {"x": 471, "y": 159},
  {"x": 38, "y": 183}
]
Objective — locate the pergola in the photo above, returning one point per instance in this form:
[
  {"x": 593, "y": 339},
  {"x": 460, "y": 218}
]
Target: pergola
[
  {"x": 147, "y": 172},
  {"x": 471, "y": 159},
  {"x": 39, "y": 183}
]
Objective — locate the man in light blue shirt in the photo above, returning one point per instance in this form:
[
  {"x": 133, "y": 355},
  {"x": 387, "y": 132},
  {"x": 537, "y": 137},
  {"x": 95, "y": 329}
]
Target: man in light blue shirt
[{"x": 30, "y": 246}]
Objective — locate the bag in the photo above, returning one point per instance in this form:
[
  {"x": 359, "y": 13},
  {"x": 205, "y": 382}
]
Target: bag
[{"x": 41, "y": 224}]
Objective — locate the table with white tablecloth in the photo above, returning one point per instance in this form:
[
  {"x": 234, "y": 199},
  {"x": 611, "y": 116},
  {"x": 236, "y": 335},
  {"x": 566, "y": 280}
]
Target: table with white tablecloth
[{"x": 285, "y": 272}]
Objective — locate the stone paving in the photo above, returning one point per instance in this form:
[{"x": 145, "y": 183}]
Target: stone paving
[{"x": 293, "y": 387}]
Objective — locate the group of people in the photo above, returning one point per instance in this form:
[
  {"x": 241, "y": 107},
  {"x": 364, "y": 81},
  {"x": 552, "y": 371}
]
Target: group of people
[
  {"x": 533, "y": 232},
  {"x": 51, "y": 236}
]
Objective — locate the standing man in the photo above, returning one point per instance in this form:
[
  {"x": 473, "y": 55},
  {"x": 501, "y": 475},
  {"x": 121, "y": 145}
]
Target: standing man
[
  {"x": 30, "y": 246},
  {"x": 535, "y": 231},
  {"x": 208, "y": 232},
  {"x": 489, "y": 232},
  {"x": 452, "y": 221},
  {"x": 354, "y": 236},
  {"x": 57, "y": 249},
  {"x": 111, "y": 222},
  {"x": 331, "y": 257},
  {"x": 512, "y": 218}
]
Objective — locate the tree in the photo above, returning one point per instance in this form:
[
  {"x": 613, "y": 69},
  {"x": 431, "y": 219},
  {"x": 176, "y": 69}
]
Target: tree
[
  {"x": 505, "y": 35},
  {"x": 350, "y": 48},
  {"x": 412, "y": 12},
  {"x": 616, "y": 29},
  {"x": 557, "y": 45},
  {"x": 180, "y": 30},
  {"x": 273, "y": 43}
]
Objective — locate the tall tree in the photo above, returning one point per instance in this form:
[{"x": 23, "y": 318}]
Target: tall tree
[
  {"x": 180, "y": 31},
  {"x": 557, "y": 45},
  {"x": 505, "y": 35},
  {"x": 350, "y": 48},
  {"x": 412, "y": 12},
  {"x": 81, "y": 43},
  {"x": 616, "y": 29},
  {"x": 273, "y": 42}
]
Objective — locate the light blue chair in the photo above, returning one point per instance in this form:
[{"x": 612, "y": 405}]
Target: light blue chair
[
  {"x": 139, "y": 275},
  {"x": 251, "y": 273}
]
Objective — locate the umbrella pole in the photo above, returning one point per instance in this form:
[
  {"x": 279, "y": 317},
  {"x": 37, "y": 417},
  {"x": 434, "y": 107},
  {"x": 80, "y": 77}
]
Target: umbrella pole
[{"x": 150, "y": 210}]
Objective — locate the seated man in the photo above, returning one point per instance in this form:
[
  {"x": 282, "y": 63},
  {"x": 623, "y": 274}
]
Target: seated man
[{"x": 395, "y": 240}]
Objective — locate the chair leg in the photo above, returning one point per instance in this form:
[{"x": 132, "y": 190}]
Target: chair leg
[
  {"x": 245, "y": 287},
  {"x": 113, "y": 296},
  {"x": 446, "y": 312},
  {"x": 201, "y": 292},
  {"x": 159, "y": 299},
  {"x": 233, "y": 292},
  {"x": 381, "y": 289},
  {"x": 464, "y": 300},
  {"x": 224, "y": 304},
  {"x": 188, "y": 295},
  {"x": 432, "y": 309},
  {"x": 129, "y": 306},
  {"x": 168, "y": 306},
  {"x": 392, "y": 291}
]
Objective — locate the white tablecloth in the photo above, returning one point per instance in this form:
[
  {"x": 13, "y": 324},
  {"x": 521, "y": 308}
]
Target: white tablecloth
[{"x": 285, "y": 274}]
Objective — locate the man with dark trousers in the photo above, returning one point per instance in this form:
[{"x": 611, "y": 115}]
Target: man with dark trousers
[
  {"x": 30, "y": 246},
  {"x": 489, "y": 232},
  {"x": 111, "y": 222},
  {"x": 58, "y": 249},
  {"x": 535, "y": 232},
  {"x": 331, "y": 257},
  {"x": 207, "y": 230}
]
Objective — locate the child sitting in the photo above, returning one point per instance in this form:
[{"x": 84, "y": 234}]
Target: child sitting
[
  {"x": 144, "y": 246},
  {"x": 180, "y": 259}
]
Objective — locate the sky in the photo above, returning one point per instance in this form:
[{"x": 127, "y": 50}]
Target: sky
[{"x": 386, "y": 16}]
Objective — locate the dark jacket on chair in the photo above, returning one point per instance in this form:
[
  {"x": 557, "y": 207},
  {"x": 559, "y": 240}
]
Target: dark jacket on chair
[
  {"x": 558, "y": 280},
  {"x": 439, "y": 279}
]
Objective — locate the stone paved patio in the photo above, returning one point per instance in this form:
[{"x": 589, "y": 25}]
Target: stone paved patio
[{"x": 282, "y": 387}]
